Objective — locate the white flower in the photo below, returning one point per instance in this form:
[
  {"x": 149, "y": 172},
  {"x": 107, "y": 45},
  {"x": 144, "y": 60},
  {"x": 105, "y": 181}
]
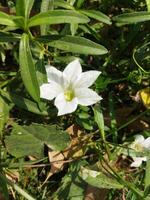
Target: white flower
[
  {"x": 140, "y": 145},
  {"x": 70, "y": 87},
  {"x": 138, "y": 161}
]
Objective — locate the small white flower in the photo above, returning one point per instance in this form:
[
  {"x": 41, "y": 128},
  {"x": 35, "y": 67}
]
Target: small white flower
[
  {"x": 141, "y": 144},
  {"x": 138, "y": 161},
  {"x": 70, "y": 87}
]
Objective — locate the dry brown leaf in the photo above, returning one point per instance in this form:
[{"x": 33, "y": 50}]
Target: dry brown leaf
[
  {"x": 75, "y": 149},
  {"x": 94, "y": 193},
  {"x": 56, "y": 159},
  {"x": 124, "y": 114},
  {"x": 74, "y": 131}
]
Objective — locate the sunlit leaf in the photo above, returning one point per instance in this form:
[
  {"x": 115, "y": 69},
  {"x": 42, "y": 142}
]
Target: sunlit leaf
[
  {"x": 27, "y": 66},
  {"x": 73, "y": 44},
  {"x": 97, "y": 15},
  {"x": 98, "y": 179},
  {"x": 134, "y": 17},
  {"x": 57, "y": 17}
]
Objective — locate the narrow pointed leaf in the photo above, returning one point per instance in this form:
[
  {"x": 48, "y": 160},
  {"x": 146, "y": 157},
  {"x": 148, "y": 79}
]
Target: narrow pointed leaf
[
  {"x": 23, "y": 7},
  {"x": 62, "y": 4},
  {"x": 9, "y": 37},
  {"x": 73, "y": 44},
  {"x": 4, "y": 113},
  {"x": 57, "y": 17},
  {"x": 99, "y": 179},
  {"x": 30, "y": 140},
  {"x": 147, "y": 179},
  {"x": 27, "y": 66},
  {"x": 97, "y": 15},
  {"x": 129, "y": 18},
  {"x": 6, "y": 19}
]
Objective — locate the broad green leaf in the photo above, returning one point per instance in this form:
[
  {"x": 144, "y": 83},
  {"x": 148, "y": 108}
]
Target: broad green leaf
[
  {"x": 97, "y": 15},
  {"x": 6, "y": 19},
  {"x": 23, "y": 7},
  {"x": 27, "y": 66},
  {"x": 51, "y": 135},
  {"x": 3, "y": 188},
  {"x": 57, "y": 17},
  {"x": 9, "y": 37},
  {"x": 30, "y": 140},
  {"x": 4, "y": 113},
  {"x": 129, "y": 18},
  {"x": 21, "y": 143},
  {"x": 62, "y": 4},
  {"x": 73, "y": 44},
  {"x": 24, "y": 103},
  {"x": 98, "y": 179}
]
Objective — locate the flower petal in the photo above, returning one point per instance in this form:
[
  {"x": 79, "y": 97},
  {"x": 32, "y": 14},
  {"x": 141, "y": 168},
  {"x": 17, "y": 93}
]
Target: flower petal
[
  {"x": 50, "y": 90},
  {"x": 146, "y": 143},
  {"x": 72, "y": 70},
  {"x": 86, "y": 96},
  {"x": 64, "y": 106},
  {"x": 53, "y": 74},
  {"x": 138, "y": 161},
  {"x": 86, "y": 79},
  {"x": 139, "y": 139}
]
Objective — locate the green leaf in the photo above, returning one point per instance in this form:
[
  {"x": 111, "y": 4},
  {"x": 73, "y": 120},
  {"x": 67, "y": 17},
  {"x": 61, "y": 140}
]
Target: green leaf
[
  {"x": 129, "y": 18},
  {"x": 6, "y": 19},
  {"x": 148, "y": 5},
  {"x": 72, "y": 186},
  {"x": 98, "y": 116},
  {"x": 3, "y": 188},
  {"x": 98, "y": 179},
  {"x": 27, "y": 66},
  {"x": 97, "y": 15},
  {"x": 147, "y": 179},
  {"x": 24, "y": 103},
  {"x": 9, "y": 37},
  {"x": 80, "y": 3},
  {"x": 4, "y": 113},
  {"x": 41, "y": 72},
  {"x": 63, "y": 4},
  {"x": 45, "y": 6},
  {"x": 57, "y": 17},
  {"x": 73, "y": 44},
  {"x": 23, "y": 7},
  {"x": 21, "y": 143},
  {"x": 30, "y": 140}
]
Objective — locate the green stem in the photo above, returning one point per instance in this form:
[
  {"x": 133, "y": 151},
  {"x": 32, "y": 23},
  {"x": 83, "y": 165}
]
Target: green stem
[{"x": 20, "y": 190}]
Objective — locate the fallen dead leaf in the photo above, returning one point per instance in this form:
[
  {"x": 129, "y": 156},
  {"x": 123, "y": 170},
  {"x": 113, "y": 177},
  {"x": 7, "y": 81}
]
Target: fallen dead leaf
[{"x": 94, "y": 193}]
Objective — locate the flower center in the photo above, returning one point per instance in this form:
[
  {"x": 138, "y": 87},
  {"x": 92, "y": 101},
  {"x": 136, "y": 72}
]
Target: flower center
[
  {"x": 69, "y": 95},
  {"x": 138, "y": 147}
]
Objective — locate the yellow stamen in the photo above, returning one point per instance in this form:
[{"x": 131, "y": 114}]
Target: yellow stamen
[{"x": 69, "y": 95}]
